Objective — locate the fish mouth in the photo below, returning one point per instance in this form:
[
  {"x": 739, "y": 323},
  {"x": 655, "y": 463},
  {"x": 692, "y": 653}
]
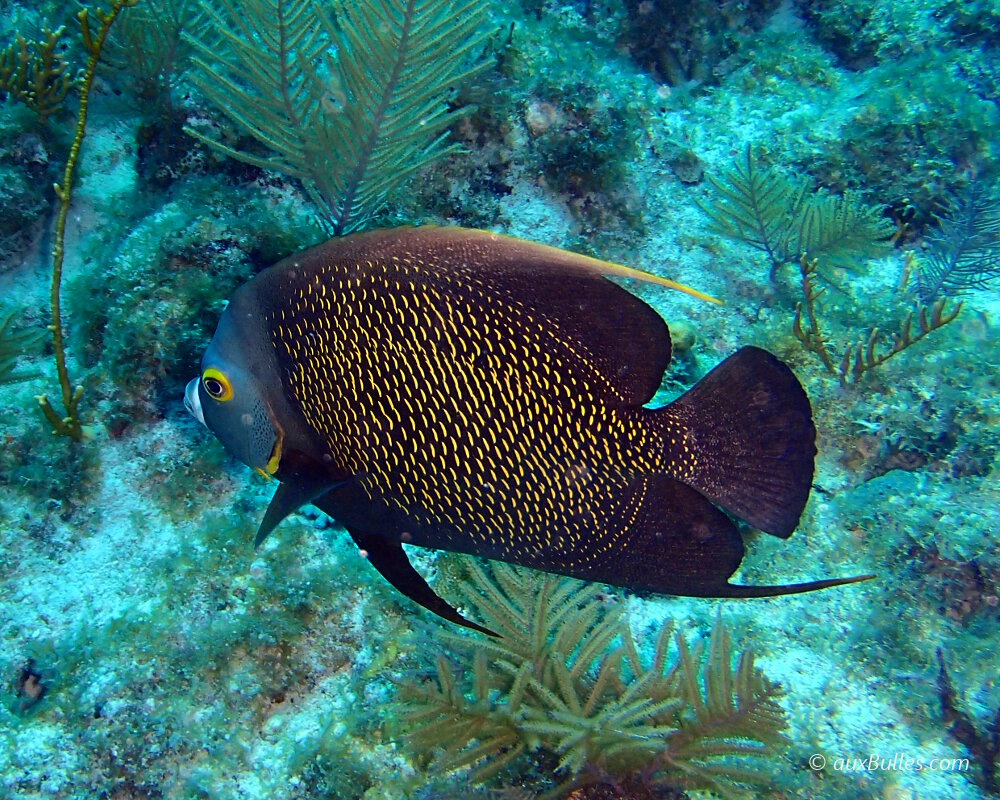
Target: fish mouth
[{"x": 192, "y": 402}]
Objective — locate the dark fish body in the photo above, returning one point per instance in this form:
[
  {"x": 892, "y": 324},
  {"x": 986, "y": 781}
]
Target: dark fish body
[{"x": 460, "y": 390}]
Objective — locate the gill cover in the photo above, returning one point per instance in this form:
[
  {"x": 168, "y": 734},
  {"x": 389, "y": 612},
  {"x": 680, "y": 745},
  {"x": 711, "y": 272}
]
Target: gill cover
[{"x": 234, "y": 395}]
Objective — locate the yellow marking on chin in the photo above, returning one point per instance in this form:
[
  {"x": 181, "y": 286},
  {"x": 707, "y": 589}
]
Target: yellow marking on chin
[{"x": 272, "y": 462}]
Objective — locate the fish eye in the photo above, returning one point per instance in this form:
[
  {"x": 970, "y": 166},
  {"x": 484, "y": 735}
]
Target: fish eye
[{"x": 217, "y": 385}]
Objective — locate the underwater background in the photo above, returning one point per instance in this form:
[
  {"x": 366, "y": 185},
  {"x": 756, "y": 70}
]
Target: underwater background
[{"x": 827, "y": 169}]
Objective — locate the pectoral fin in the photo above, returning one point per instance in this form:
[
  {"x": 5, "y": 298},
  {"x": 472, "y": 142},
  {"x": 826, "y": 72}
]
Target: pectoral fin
[
  {"x": 290, "y": 496},
  {"x": 389, "y": 558}
]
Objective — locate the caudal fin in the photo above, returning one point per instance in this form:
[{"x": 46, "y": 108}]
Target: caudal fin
[{"x": 743, "y": 437}]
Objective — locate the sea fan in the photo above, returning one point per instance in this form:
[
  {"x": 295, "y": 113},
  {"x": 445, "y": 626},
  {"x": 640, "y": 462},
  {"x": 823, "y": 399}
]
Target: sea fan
[
  {"x": 350, "y": 103},
  {"x": 565, "y": 680},
  {"x": 963, "y": 253},
  {"x": 779, "y": 216},
  {"x": 148, "y": 42},
  {"x": 13, "y": 346},
  {"x": 756, "y": 206}
]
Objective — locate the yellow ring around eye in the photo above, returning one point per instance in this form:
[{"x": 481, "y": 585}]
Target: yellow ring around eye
[{"x": 217, "y": 385}]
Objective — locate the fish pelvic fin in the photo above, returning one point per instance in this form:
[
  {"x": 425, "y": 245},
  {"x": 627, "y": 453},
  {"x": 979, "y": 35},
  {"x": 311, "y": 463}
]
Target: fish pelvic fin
[
  {"x": 743, "y": 437},
  {"x": 389, "y": 558},
  {"x": 289, "y": 497}
]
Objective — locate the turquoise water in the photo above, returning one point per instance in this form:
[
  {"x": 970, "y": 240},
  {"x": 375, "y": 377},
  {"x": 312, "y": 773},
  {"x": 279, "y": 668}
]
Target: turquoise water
[{"x": 149, "y": 651}]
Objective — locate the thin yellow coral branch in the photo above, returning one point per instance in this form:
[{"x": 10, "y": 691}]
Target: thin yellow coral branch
[
  {"x": 69, "y": 425},
  {"x": 861, "y": 356}
]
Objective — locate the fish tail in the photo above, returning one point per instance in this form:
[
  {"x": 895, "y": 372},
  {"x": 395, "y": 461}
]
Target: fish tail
[{"x": 744, "y": 438}]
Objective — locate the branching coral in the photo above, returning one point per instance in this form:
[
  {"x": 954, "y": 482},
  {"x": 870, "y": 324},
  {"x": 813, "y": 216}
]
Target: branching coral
[
  {"x": 350, "y": 129},
  {"x": 69, "y": 424},
  {"x": 862, "y": 356},
  {"x": 36, "y": 73},
  {"x": 566, "y": 681}
]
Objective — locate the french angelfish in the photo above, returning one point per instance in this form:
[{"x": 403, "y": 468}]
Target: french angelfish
[{"x": 467, "y": 391}]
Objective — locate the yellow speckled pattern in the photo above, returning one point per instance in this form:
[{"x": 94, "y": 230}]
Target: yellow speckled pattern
[{"x": 462, "y": 410}]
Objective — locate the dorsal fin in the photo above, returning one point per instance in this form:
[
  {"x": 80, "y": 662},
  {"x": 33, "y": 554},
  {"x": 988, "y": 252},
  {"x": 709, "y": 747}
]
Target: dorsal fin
[{"x": 615, "y": 332}]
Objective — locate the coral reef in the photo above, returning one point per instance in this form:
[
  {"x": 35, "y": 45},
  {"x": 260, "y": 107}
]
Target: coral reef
[
  {"x": 147, "y": 337},
  {"x": 148, "y": 651},
  {"x": 983, "y": 746},
  {"x": 26, "y": 177},
  {"x": 684, "y": 42},
  {"x": 581, "y": 143}
]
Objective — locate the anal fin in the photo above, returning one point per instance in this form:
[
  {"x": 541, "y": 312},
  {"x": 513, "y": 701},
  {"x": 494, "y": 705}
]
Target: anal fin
[
  {"x": 389, "y": 558},
  {"x": 683, "y": 545}
]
